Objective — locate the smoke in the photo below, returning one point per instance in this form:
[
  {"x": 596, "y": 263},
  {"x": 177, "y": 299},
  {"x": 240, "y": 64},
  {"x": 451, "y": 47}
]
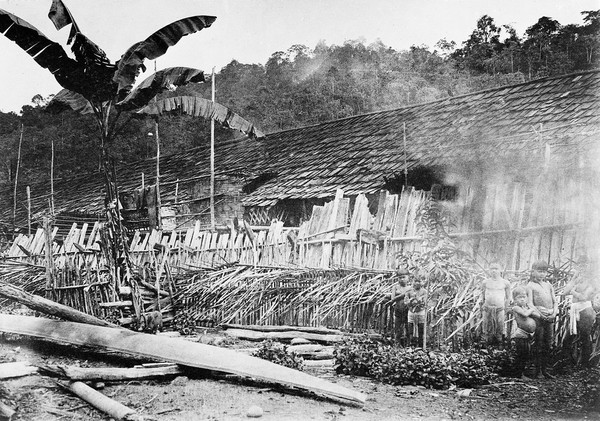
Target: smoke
[{"x": 538, "y": 200}]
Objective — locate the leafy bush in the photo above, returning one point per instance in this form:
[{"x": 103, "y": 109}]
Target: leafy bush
[
  {"x": 413, "y": 366},
  {"x": 277, "y": 353}
]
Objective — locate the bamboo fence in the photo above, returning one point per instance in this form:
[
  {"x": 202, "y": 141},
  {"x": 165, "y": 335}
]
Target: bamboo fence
[{"x": 334, "y": 270}]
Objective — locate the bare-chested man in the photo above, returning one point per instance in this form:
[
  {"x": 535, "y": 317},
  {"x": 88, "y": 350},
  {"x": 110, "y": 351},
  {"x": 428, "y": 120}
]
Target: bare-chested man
[
  {"x": 496, "y": 298},
  {"x": 540, "y": 294},
  {"x": 582, "y": 314}
]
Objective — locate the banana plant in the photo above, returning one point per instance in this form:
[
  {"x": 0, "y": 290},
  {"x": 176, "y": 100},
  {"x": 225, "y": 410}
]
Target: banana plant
[
  {"x": 203, "y": 108},
  {"x": 94, "y": 84}
]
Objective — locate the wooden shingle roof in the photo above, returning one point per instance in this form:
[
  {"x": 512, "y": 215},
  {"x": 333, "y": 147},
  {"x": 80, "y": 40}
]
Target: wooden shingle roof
[
  {"x": 559, "y": 114},
  {"x": 355, "y": 153}
]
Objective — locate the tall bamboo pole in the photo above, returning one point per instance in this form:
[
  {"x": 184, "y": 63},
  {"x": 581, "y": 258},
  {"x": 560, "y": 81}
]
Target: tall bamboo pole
[
  {"x": 28, "y": 211},
  {"x": 212, "y": 159},
  {"x": 49, "y": 257},
  {"x": 52, "y": 178},
  {"x": 405, "y": 156},
  {"x": 17, "y": 178},
  {"x": 158, "y": 203}
]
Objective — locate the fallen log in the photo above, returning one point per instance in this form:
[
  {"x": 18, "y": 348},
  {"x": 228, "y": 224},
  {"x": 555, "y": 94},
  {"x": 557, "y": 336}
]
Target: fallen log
[
  {"x": 254, "y": 335},
  {"x": 114, "y": 374},
  {"x": 102, "y": 402},
  {"x": 178, "y": 351},
  {"x": 50, "y": 307},
  {"x": 16, "y": 369},
  {"x": 282, "y": 328}
]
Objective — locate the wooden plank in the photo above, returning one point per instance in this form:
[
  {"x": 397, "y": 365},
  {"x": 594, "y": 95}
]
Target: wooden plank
[
  {"x": 92, "y": 237},
  {"x": 334, "y": 221},
  {"x": 16, "y": 369},
  {"x": 113, "y": 374},
  {"x": 83, "y": 232},
  {"x": 188, "y": 237},
  {"x": 254, "y": 335},
  {"x": 37, "y": 240},
  {"x": 37, "y": 247},
  {"x": 381, "y": 208},
  {"x": 69, "y": 239},
  {"x": 178, "y": 351}
]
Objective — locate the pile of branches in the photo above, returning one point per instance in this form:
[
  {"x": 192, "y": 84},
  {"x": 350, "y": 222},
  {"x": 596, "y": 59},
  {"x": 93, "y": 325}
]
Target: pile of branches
[{"x": 234, "y": 293}]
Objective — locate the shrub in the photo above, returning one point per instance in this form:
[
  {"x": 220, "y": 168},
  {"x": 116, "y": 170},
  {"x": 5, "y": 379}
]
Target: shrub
[
  {"x": 413, "y": 366},
  {"x": 277, "y": 353}
]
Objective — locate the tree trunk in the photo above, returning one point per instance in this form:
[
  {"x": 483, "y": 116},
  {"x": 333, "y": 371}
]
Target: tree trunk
[{"x": 45, "y": 306}]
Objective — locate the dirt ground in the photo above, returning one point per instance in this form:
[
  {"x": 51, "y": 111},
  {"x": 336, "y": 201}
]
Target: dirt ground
[{"x": 209, "y": 396}]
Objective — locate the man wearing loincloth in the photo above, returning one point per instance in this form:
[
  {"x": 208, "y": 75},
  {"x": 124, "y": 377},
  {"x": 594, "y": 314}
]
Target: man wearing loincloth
[
  {"x": 540, "y": 294},
  {"x": 496, "y": 298}
]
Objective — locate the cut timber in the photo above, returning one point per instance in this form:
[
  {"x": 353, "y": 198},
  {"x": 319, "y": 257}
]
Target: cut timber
[
  {"x": 178, "y": 351},
  {"x": 113, "y": 374},
  {"x": 253, "y": 335},
  {"x": 46, "y": 306},
  {"x": 16, "y": 369},
  {"x": 103, "y": 403},
  {"x": 283, "y": 328},
  {"x": 312, "y": 352},
  {"x": 329, "y": 364}
]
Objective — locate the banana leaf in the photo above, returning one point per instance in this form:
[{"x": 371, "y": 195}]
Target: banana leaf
[
  {"x": 130, "y": 64},
  {"x": 93, "y": 81},
  {"x": 201, "y": 107},
  {"x": 158, "y": 82},
  {"x": 68, "y": 99}
]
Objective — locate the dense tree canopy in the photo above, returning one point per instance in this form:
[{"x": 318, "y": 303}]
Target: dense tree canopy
[{"x": 304, "y": 86}]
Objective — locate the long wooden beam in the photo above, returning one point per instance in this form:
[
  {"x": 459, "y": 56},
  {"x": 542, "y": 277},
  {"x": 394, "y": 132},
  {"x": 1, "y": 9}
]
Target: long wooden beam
[
  {"x": 46, "y": 306},
  {"x": 178, "y": 351}
]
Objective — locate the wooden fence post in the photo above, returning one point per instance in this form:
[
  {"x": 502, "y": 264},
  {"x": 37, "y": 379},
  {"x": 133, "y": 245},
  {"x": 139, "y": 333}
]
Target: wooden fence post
[{"x": 49, "y": 258}]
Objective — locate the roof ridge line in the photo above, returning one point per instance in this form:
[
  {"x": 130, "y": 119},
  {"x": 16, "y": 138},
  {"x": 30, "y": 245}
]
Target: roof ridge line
[{"x": 406, "y": 107}]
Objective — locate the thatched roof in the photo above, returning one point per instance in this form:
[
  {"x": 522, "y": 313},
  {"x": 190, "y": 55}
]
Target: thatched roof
[{"x": 559, "y": 115}]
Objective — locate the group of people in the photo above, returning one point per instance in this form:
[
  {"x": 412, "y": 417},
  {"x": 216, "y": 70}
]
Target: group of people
[
  {"x": 534, "y": 307},
  {"x": 409, "y": 309}
]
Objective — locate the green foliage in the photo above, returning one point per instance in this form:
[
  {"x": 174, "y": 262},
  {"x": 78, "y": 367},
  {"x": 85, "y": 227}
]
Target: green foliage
[
  {"x": 413, "y": 366},
  {"x": 278, "y": 354}
]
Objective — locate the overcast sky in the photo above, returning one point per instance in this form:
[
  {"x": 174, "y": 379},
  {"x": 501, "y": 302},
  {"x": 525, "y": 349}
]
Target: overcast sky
[{"x": 251, "y": 30}]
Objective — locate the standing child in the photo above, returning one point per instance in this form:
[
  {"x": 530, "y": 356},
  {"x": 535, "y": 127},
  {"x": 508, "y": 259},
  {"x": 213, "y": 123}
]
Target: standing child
[
  {"x": 525, "y": 317},
  {"x": 540, "y": 294},
  {"x": 415, "y": 300},
  {"x": 496, "y": 298},
  {"x": 400, "y": 308}
]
